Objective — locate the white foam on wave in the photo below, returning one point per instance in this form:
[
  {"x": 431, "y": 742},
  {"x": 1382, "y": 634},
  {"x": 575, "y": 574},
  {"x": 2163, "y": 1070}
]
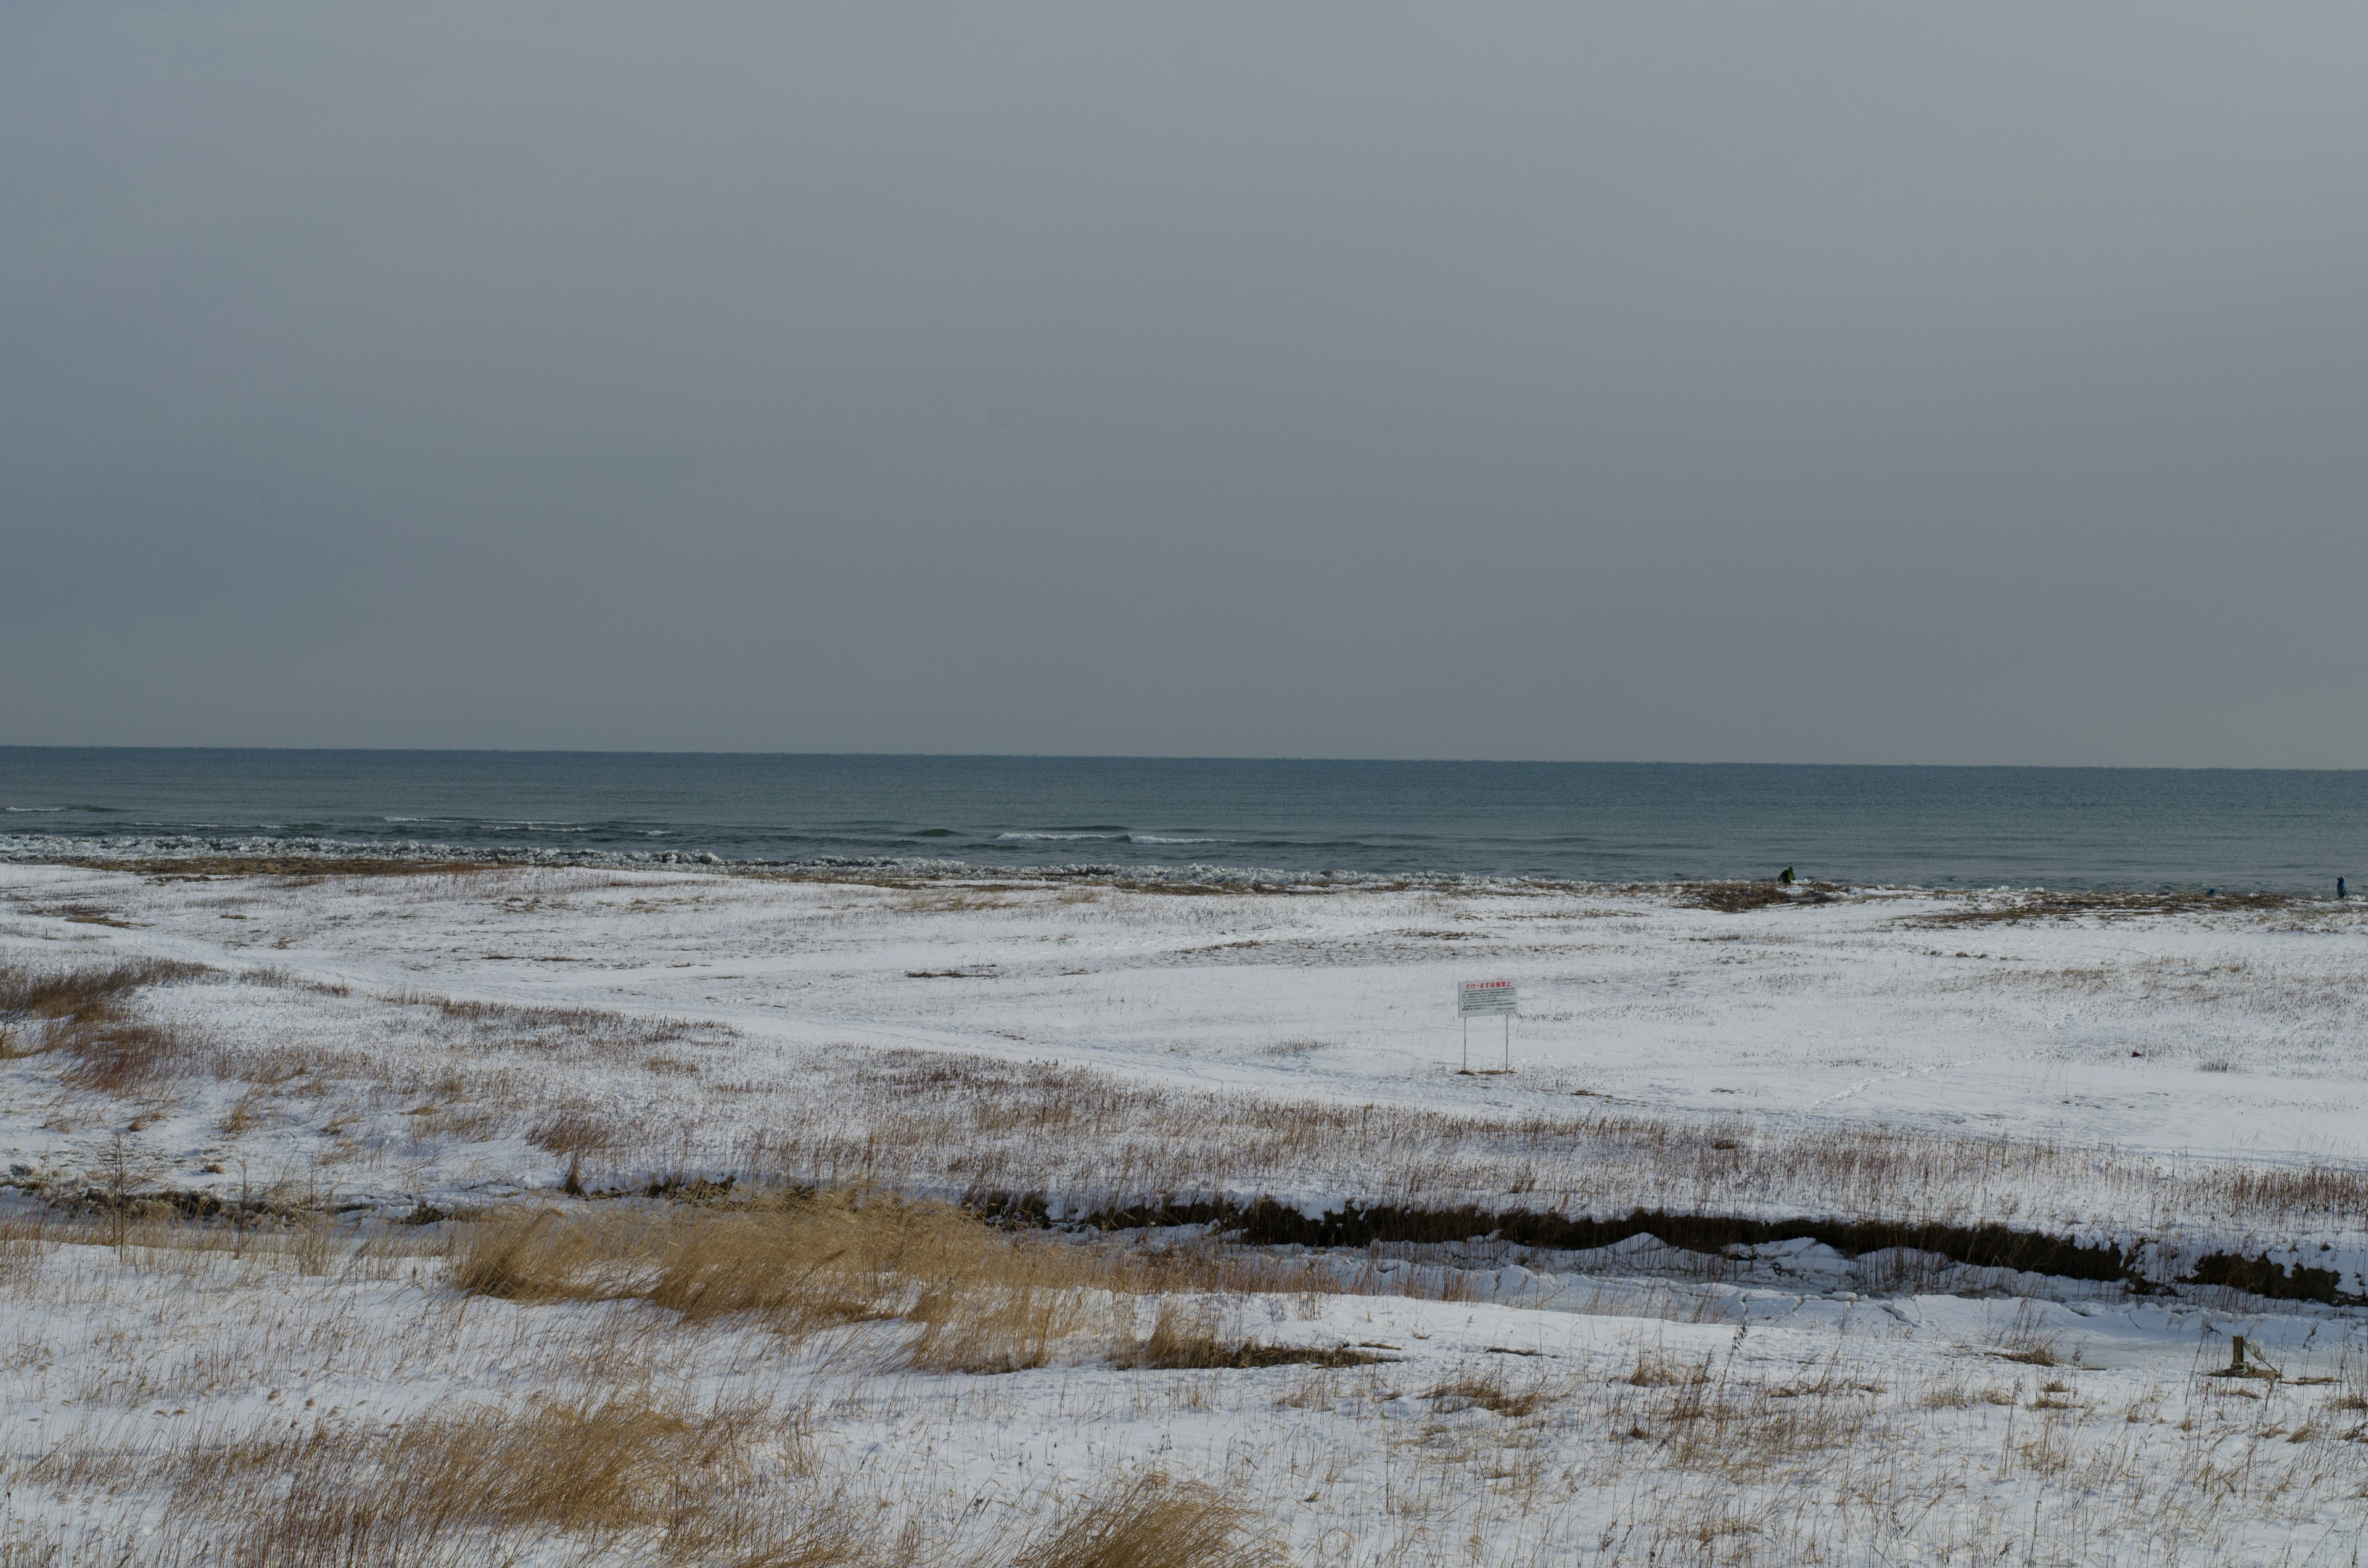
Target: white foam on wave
[
  {"x": 38, "y": 847},
  {"x": 1103, "y": 838}
]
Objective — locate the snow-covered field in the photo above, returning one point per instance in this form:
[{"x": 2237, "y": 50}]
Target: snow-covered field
[
  {"x": 2176, "y": 1083},
  {"x": 403, "y": 1040}
]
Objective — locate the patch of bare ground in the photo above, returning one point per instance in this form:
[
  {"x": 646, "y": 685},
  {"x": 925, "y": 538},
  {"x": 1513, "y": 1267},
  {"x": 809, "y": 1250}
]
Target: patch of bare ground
[
  {"x": 1972, "y": 909},
  {"x": 309, "y": 868},
  {"x": 1741, "y": 898},
  {"x": 928, "y": 892}
]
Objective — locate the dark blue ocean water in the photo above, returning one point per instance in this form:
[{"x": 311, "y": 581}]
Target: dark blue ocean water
[{"x": 1616, "y": 822}]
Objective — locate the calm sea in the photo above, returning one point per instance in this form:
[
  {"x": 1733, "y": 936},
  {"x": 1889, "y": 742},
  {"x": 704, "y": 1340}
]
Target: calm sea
[{"x": 1615, "y": 822}]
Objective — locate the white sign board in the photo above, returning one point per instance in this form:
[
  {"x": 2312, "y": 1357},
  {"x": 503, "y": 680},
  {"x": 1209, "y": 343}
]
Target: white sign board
[{"x": 1484, "y": 998}]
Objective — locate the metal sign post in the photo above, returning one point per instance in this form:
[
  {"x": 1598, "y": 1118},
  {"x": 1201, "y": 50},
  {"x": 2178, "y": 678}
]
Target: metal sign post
[{"x": 1482, "y": 998}]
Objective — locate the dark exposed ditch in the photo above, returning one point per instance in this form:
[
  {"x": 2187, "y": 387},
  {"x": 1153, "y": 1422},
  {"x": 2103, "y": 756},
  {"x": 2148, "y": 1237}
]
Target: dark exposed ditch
[
  {"x": 2278, "y": 1281},
  {"x": 197, "y": 1205},
  {"x": 1249, "y": 1356},
  {"x": 1268, "y": 1223}
]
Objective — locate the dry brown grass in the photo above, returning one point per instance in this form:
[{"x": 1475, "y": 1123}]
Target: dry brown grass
[
  {"x": 521, "y": 1257},
  {"x": 821, "y": 1259},
  {"x": 2027, "y": 1342},
  {"x": 84, "y": 1014},
  {"x": 1750, "y": 1427},
  {"x": 998, "y": 1326},
  {"x": 24, "y": 1238},
  {"x": 1153, "y": 1522},
  {"x": 571, "y": 1032},
  {"x": 1183, "y": 1334},
  {"x": 982, "y": 1300},
  {"x": 2351, "y": 1383},
  {"x": 1192, "y": 1334},
  {"x": 976, "y": 1298},
  {"x": 805, "y": 1266},
  {"x": 1656, "y": 1370},
  {"x": 572, "y": 1131},
  {"x": 1491, "y": 1392},
  {"x": 666, "y": 1483},
  {"x": 63, "y": 993},
  {"x": 115, "y": 1055}
]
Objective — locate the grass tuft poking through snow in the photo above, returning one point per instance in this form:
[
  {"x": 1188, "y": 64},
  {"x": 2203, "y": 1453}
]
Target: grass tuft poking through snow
[{"x": 1151, "y": 1521}]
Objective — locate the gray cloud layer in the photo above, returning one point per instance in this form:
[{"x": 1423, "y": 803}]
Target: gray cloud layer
[{"x": 1818, "y": 382}]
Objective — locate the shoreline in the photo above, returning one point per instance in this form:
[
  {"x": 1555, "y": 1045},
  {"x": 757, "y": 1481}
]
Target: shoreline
[{"x": 168, "y": 854}]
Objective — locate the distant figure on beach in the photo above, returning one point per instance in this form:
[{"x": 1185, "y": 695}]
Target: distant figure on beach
[
  {"x": 2339, "y": 889},
  {"x": 1787, "y": 878}
]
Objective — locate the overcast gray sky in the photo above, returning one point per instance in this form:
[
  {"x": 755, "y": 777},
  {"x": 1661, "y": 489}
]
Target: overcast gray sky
[{"x": 1791, "y": 382}]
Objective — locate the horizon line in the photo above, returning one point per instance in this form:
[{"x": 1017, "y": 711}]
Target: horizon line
[{"x": 1186, "y": 756}]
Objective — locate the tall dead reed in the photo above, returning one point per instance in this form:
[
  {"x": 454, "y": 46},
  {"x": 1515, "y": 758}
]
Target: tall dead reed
[{"x": 975, "y": 1298}]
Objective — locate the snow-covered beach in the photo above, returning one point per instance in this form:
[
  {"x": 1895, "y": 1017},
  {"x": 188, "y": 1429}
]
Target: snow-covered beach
[{"x": 2171, "y": 1085}]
